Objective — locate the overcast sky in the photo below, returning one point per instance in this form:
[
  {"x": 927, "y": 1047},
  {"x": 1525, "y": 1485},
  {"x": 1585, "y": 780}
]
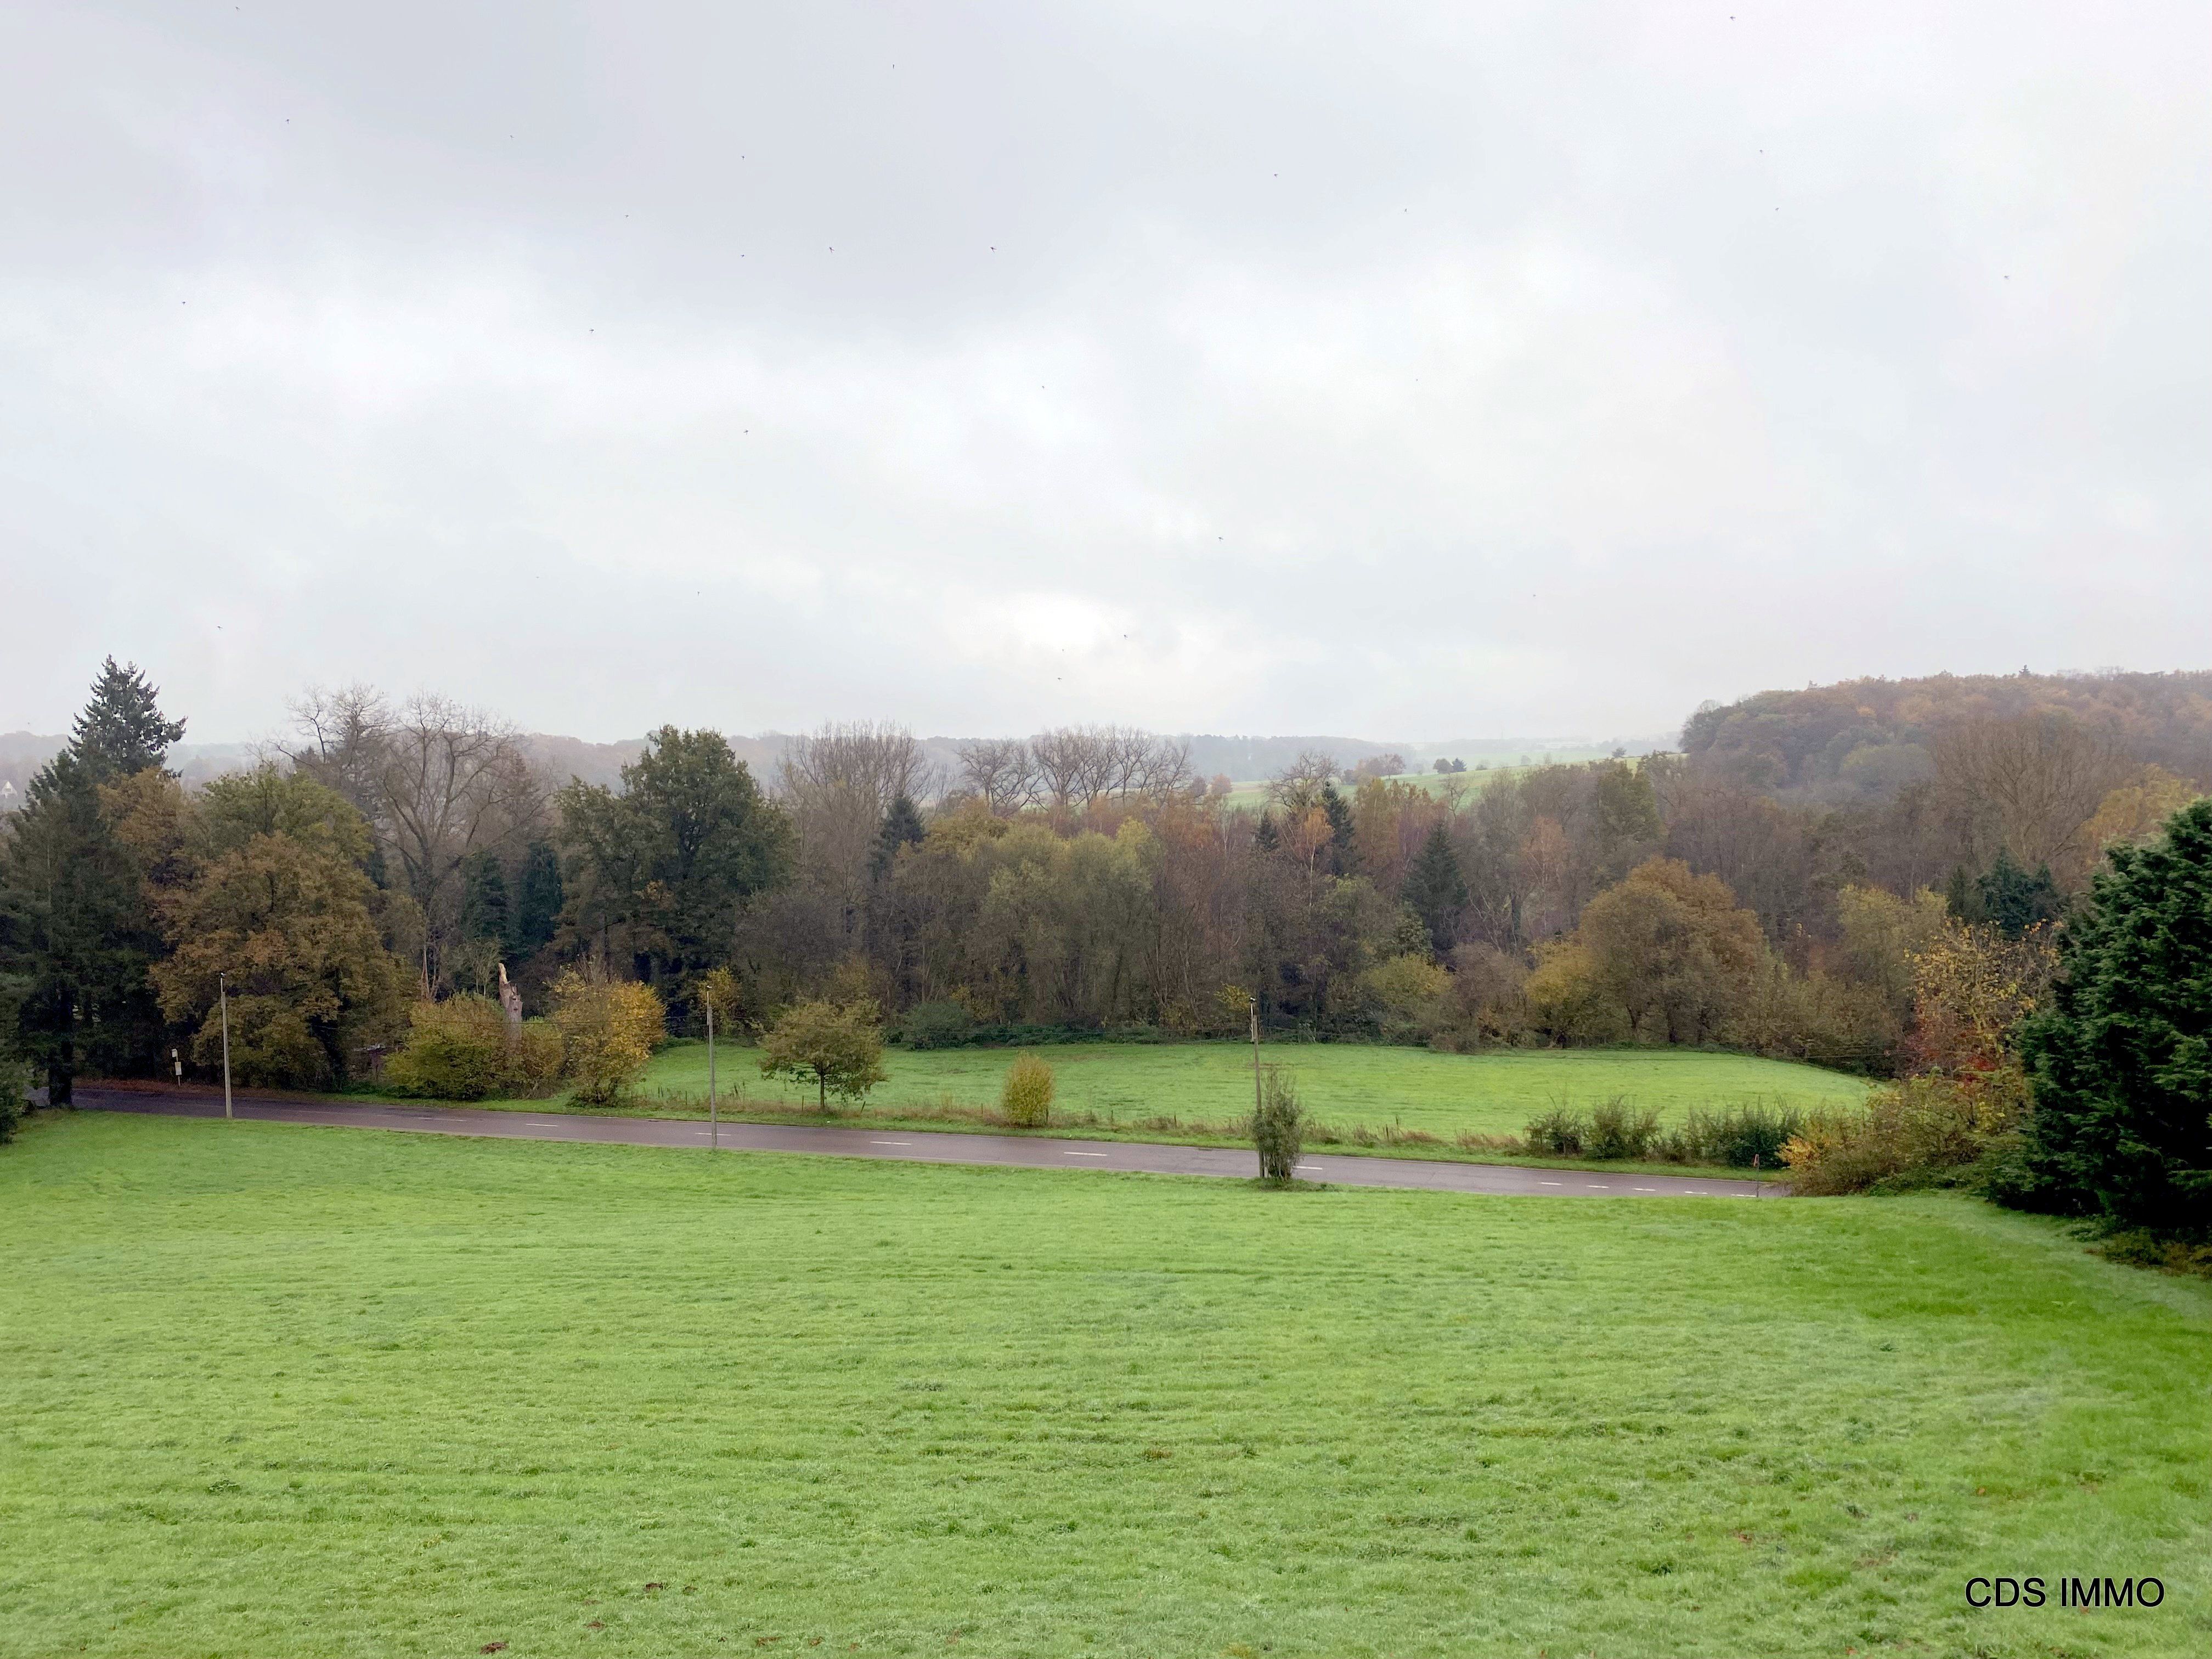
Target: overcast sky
[{"x": 1392, "y": 371}]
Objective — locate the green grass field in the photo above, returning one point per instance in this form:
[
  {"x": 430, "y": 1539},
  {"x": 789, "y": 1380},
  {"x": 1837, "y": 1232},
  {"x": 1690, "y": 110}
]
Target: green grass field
[
  {"x": 272, "y": 1389},
  {"x": 1343, "y": 1085}
]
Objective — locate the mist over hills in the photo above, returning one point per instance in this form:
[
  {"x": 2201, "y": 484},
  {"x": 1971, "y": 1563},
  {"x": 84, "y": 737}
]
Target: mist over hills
[
  {"x": 1243, "y": 758},
  {"x": 1853, "y": 742}
]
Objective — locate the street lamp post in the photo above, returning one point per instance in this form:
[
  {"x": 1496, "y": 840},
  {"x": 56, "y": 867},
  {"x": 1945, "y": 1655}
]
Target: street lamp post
[
  {"x": 713, "y": 1123},
  {"x": 222, "y": 991}
]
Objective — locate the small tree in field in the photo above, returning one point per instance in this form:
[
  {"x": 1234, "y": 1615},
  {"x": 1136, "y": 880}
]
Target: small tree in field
[
  {"x": 837, "y": 1047},
  {"x": 1026, "y": 1098},
  {"x": 1279, "y": 1127}
]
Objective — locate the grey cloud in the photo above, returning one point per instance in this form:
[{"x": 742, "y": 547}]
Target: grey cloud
[{"x": 1265, "y": 369}]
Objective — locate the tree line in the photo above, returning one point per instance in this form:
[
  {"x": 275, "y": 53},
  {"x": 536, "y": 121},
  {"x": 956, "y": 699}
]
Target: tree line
[{"x": 393, "y": 856}]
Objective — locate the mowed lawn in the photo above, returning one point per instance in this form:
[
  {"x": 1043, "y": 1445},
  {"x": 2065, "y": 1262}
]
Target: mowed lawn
[
  {"x": 1343, "y": 1085},
  {"x": 273, "y": 1390}
]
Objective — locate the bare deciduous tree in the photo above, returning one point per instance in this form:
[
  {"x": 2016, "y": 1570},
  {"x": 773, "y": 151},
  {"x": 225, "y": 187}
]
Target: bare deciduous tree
[
  {"x": 1299, "y": 786},
  {"x": 838, "y": 783},
  {"x": 1001, "y": 774},
  {"x": 2028, "y": 785},
  {"x": 1077, "y": 766},
  {"x": 345, "y": 732},
  {"x": 877, "y": 762},
  {"x": 437, "y": 781}
]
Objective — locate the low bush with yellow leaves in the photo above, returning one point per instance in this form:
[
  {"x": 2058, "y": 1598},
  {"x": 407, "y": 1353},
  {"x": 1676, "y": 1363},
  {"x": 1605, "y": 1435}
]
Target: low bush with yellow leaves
[
  {"x": 1026, "y": 1098},
  {"x": 1932, "y": 1123}
]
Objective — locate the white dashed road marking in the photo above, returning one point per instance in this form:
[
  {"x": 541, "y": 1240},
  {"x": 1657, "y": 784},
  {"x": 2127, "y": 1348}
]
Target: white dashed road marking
[
  {"x": 890, "y": 1143},
  {"x": 1083, "y": 1154}
]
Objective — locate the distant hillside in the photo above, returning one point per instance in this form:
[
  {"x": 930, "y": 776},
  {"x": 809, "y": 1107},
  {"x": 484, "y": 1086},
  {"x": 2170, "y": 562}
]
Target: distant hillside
[
  {"x": 1863, "y": 740},
  {"x": 22, "y": 753}
]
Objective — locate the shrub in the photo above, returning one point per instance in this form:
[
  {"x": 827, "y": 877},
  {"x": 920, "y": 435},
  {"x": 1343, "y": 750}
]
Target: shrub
[
  {"x": 1279, "y": 1127},
  {"x": 939, "y": 1025},
  {"x": 2140, "y": 1247},
  {"x": 1742, "y": 1136},
  {"x": 838, "y": 1047},
  {"x": 609, "y": 1029},
  {"x": 461, "y": 1049},
  {"x": 1558, "y": 1132},
  {"x": 1619, "y": 1130},
  {"x": 1026, "y": 1098},
  {"x": 15, "y": 1091},
  {"x": 533, "y": 1064},
  {"x": 1925, "y": 1123},
  {"x": 455, "y": 1050}
]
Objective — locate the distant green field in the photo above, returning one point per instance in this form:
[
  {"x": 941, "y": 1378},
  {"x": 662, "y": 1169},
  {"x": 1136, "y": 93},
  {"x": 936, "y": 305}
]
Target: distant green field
[
  {"x": 1252, "y": 792},
  {"x": 271, "y": 1390},
  {"x": 1254, "y": 795},
  {"x": 1343, "y": 1085}
]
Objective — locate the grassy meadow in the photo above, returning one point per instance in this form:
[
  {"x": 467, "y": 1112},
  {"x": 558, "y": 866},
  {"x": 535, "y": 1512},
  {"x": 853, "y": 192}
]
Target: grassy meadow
[
  {"x": 1343, "y": 1085},
  {"x": 280, "y": 1389}
]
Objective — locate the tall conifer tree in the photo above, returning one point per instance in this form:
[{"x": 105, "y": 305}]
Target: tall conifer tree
[
  {"x": 1434, "y": 888},
  {"x": 75, "y": 932}
]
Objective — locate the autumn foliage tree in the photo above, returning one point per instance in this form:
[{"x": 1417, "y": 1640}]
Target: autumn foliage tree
[
  {"x": 278, "y": 900},
  {"x": 1668, "y": 951}
]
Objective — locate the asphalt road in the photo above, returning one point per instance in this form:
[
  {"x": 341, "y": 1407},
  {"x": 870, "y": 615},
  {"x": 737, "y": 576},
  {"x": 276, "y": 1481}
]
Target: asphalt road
[{"x": 921, "y": 1146}]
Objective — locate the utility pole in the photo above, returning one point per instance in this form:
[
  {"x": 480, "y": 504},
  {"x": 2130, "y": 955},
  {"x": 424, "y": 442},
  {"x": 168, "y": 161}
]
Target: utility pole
[
  {"x": 713, "y": 1123},
  {"x": 222, "y": 989},
  {"x": 1256, "y": 1101}
]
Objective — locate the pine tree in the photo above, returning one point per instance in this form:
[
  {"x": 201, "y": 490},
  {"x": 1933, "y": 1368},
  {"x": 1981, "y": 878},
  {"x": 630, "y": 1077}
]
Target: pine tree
[
  {"x": 1959, "y": 897},
  {"x": 73, "y": 933},
  {"x": 1343, "y": 854},
  {"x": 902, "y": 827},
  {"x": 485, "y": 913},
  {"x": 1266, "y": 837},
  {"x": 76, "y": 931},
  {"x": 2122, "y": 1056},
  {"x": 121, "y": 729},
  {"x": 1434, "y": 888},
  {"x": 2011, "y": 900},
  {"x": 538, "y": 907}
]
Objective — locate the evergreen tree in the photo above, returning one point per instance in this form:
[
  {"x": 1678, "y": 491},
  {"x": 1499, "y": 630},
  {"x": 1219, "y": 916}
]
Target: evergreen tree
[
  {"x": 538, "y": 907},
  {"x": 484, "y": 910},
  {"x": 2011, "y": 900},
  {"x": 1264, "y": 837},
  {"x": 902, "y": 828},
  {"x": 2122, "y": 1056},
  {"x": 1961, "y": 896},
  {"x": 73, "y": 933},
  {"x": 121, "y": 729},
  {"x": 1342, "y": 854},
  {"x": 76, "y": 931},
  {"x": 1435, "y": 888}
]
